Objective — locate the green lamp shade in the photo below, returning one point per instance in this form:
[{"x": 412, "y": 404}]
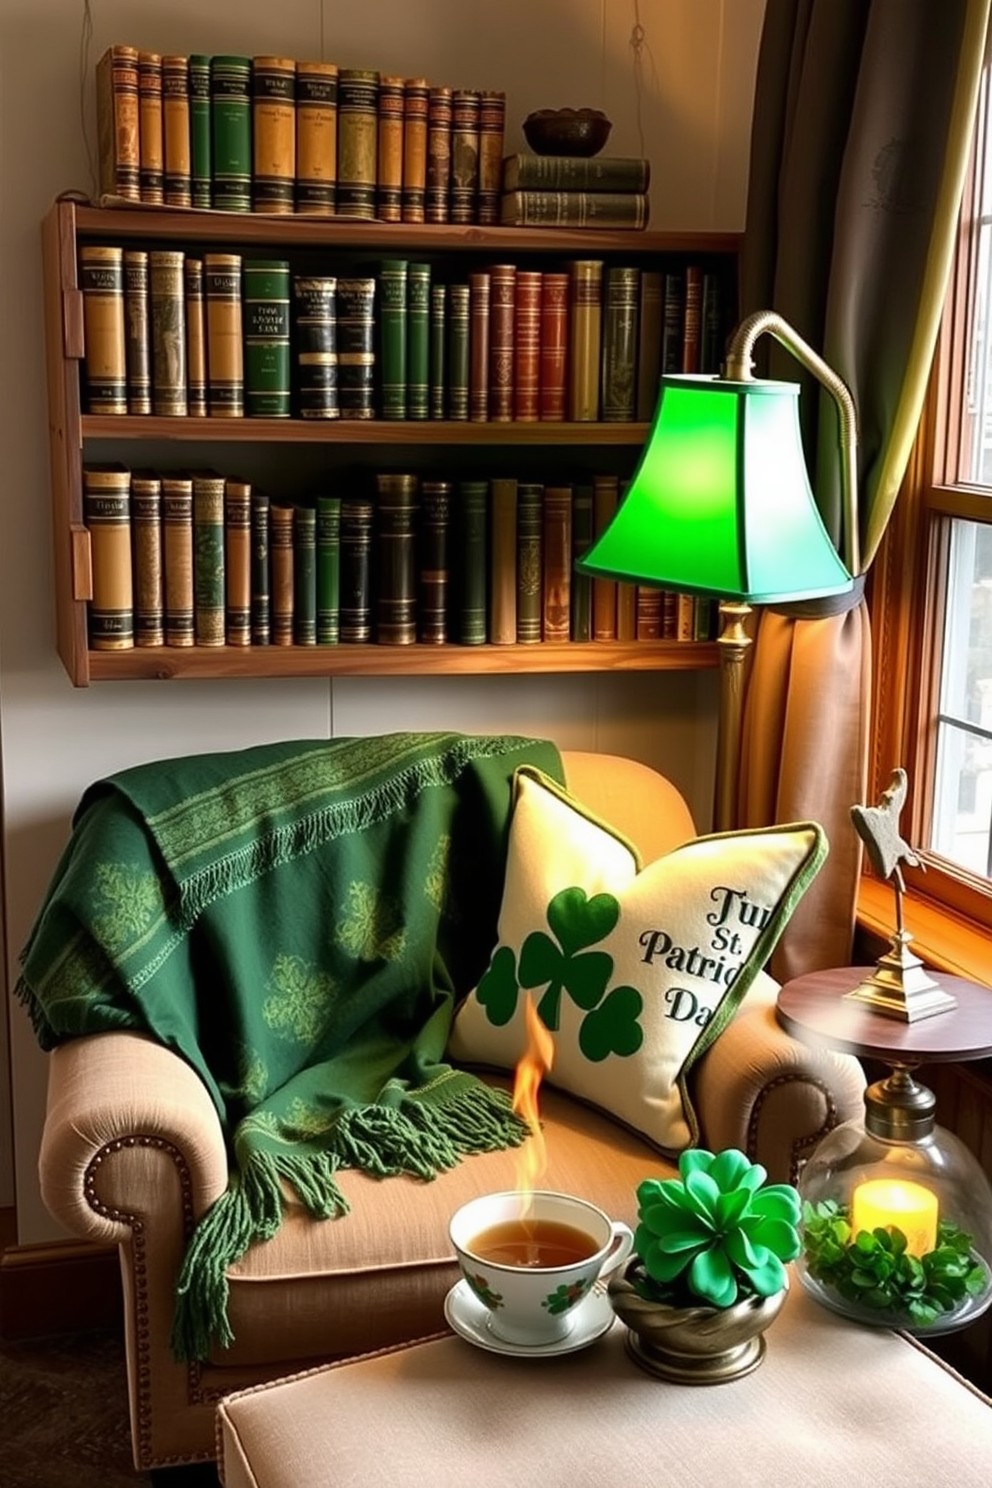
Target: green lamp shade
[{"x": 721, "y": 503}]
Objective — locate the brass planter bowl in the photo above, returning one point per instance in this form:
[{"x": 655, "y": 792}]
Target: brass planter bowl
[
  {"x": 692, "y": 1345},
  {"x": 567, "y": 131}
]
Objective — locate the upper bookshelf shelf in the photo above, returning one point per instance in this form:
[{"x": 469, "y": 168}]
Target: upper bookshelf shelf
[{"x": 358, "y": 431}]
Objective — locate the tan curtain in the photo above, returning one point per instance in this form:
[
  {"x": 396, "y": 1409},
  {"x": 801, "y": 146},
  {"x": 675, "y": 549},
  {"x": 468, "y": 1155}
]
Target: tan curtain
[{"x": 862, "y": 118}]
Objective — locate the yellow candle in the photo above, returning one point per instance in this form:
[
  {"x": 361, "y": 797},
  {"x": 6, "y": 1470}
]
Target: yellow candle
[{"x": 887, "y": 1202}]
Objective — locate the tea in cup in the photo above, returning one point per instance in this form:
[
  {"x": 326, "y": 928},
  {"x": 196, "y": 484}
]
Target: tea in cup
[{"x": 531, "y": 1258}]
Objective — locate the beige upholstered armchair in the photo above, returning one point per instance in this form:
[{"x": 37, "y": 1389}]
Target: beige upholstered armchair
[{"x": 133, "y": 1154}]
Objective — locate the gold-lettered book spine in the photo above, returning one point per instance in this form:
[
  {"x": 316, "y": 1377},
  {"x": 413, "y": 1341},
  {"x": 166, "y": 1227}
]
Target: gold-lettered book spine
[
  {"x": 137, "y": 331},
  {"x": 208, "y": 557},
  {"x": 585, "y": 331},
  {"x": 389, "y": 171},
  {"x": 168, "y": 319},
  {"x": 492, "y": 125},
  {"x": 316, "y": 138},
  {"x": 101, "y": 279},
  {"x": 358, "y": 99},
  {"x": 225, "y": 343},
  {"x": 196, "y": 339},
  {"x": 176, "y": 129},
  {"x": 146, "y": 556},
  {"x": 177, "y": 556},
  {"x": 237, "y": 561},
  {"x": 117, "y": 122},
  {"x": 107, "y": 516},
  {"x": 151, "y": 149},
  {"x": 415, "y": 111},
  {"x": 274, "y": 135},
  {"x": 281, "y": 556}
]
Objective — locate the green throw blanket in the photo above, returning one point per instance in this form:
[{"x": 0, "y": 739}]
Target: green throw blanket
[{"x": 296, "y": 921}]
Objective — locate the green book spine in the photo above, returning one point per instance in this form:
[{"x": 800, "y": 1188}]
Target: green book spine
[
  {"x": 356, "y": 549},
  {"x": 438, "y": 347},
  {"x": 200, "y": 131},
  {"x": 618, "y": 393},
  {"x": 328, "y": 570},
  {"x": 471, "y": 560},
  {"x": 266, "y": 330},
  {"x": 261, "y": 597},
  {"x": 581, "y": 583},
  {"x": 418, "y": 340},
  {"x": 230, "y": 135},
  {"x": 305, "y": 576},
  {"x": 314, "y": 299},
  {"x": 530, "y": 560},
  {"x": 208, "y": 558},
  {"x": 393, "y": 279},
  {"x": 458, "y": 339},
  {"x": 435, "y": 514},
  {"x": 395, "y": 590}
]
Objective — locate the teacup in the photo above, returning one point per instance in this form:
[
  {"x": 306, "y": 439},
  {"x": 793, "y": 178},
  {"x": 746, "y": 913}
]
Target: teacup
[{"x": 531, "y": 1258}]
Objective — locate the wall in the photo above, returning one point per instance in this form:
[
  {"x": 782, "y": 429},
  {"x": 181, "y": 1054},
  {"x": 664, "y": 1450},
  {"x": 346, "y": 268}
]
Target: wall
[{"x": 683, "y": 97}]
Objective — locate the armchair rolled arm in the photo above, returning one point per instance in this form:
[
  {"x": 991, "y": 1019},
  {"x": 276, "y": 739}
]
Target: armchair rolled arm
[
  {"x": 766, "y": 1093},
  {"x": 114, "y": 1096}
]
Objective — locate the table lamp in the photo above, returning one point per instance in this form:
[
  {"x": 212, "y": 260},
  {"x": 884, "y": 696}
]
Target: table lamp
[{"x": 720, "y": 504}]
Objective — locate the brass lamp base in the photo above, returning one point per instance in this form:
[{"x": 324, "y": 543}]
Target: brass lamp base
[{"x": 900, "y": 988}]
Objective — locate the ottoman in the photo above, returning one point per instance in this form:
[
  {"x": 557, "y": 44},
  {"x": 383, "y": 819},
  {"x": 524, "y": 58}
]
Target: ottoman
[{"x": 831, "y": 1403}]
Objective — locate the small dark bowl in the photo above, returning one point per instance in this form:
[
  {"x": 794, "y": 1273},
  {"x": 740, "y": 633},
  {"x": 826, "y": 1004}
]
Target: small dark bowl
[{"x": 567, "y": 131}]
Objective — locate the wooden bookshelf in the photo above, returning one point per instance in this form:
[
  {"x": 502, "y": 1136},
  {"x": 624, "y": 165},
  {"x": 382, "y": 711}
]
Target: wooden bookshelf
[{"x": 76, "y": 435}]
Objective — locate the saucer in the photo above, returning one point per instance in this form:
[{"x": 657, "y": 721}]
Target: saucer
[{"x": 470, "y": 1319}]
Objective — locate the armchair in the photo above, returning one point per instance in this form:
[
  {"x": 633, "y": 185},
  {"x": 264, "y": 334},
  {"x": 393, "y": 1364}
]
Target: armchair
[{"x": 133, "y": 1154}]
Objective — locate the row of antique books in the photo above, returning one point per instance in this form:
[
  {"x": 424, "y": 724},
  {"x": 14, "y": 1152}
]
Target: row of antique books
[
  {"x": 197, "y": 558},
  {"x": 276, "y": 135},
  {"x": 173, "y": 334}
]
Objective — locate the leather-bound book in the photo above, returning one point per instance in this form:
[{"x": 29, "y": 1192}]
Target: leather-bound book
[
  {"x": 585, "y": 338},
  {"x": 273, "y": 117},
  {"x": 167, "y": 304},
  {"x": 237, "y": 562},
  {"x": 459, "y": 321},
  {"x": 432, "y": 562},
  {"x": 503, "y": 562},
  {"x": 577, "y": 209},
  {"x": 137, "y": 331},
  {"x": 527, "y": 171},
  {"x": 416, "y": 94},
  {"x": 281, "y": 519},
  {"x": 146, "y": 558},
  {"x": 356, "y": 351},
  {"x": 439, "y": 114},
  {"x": 502, "y": 282},
  {"x": 176, "y": 132},
  {"x": 261, "y": 580},
  {"x": 117, "y": 123},
  {"x": 650, "y": 612},
  {"x": 471, "y": 560},
  {"x": 465, "y": 109},
  {"x": 107, "y": 517},
  {"x": 356, "y": 554},
  {"x": 230, "y": 132},
  {"x": 581, "y": 621},
  {"x": 649, "y": 343},
  {"x": 208, "y": 558},
  {"x": 527, "y": 346},
  {"x": 225, "y": 339},
  {"x": 618, "y": 399},
  {"x": 316, "y": 138},
  {"x": 713, "y": 331},
  {"x": 200, "y": 130},
  {"x": 605, "y": 496},
  {"x": 151, "y": 149},
  {"x": 315, "y": 314},
  {"x": 304, "y": 576},
  {"x": 396, "y": 559},
  {"x": 358, "y": 119},
  {"x": 626, "y": 612},
  {"x": 438, "y": 350},
  {"x": 328, "y": 570},
  {"x": 101, "y": 279},
  {"x": 492, "y": 123},
  {"x": 692, "y": 320},
  {"x": 177, "y": 558},
  {"x": 556, "y": 614},
  {"x": 554, "y": 346},
  {"x": 389, "y": 170},
  {"x": 530, "y": 561},
  {"x": 196, "y": 338},
  {"x": 393, "y": 284},
  {"x": 418, "y": 340},
  {"x": 478, "y": 347},
  {"x": 266, "y": 317},
  {"x": 673, "y": 316}
]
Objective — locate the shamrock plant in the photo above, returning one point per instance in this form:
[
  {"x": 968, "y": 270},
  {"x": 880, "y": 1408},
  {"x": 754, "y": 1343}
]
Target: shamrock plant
[
  {"x": 716, "y": 1233},
  {"x": 562, "y": 963}
]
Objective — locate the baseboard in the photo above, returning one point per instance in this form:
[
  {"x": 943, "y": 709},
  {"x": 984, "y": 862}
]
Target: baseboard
[{"x": 62, "y": 1287}]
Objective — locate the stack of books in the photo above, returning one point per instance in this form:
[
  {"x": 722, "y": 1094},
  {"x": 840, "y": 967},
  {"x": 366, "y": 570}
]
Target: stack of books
[{"x": 574, "y": 191}]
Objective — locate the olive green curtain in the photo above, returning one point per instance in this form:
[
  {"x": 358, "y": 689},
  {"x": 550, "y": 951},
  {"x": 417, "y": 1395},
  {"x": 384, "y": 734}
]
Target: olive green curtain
[{"x": 862, "y": 119}]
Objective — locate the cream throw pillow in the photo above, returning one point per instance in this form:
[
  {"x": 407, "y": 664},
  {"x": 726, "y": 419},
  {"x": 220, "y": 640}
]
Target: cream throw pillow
[{"x": 635, "y": 972}]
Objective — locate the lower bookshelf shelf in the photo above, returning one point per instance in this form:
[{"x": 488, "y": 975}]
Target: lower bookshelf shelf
[{"x": 164, "y": 663}]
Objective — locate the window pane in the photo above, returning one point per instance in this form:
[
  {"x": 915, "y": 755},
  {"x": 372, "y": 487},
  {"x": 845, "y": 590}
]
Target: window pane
[{"x": 962, "y": 814}]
